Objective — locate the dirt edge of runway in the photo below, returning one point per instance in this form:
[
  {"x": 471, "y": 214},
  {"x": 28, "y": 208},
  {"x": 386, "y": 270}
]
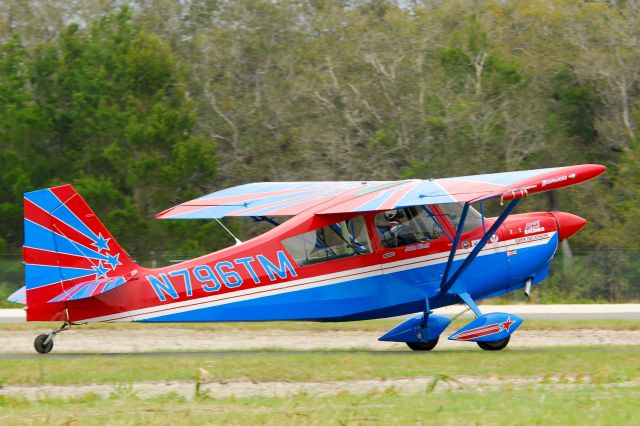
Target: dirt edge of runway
[{"x": 154, "y": 340}]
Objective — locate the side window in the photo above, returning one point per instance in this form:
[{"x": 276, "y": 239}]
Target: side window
[
  {"x": 406, "y": 226},
  {"x": 454, "y": 210},
  {"x": 336, "y": 241}
]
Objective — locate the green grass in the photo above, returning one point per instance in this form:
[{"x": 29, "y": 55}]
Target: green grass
[
  {"x": 602, "y": 364},
  {"x": 381, "y": 325},
  {"x": 594, "y": 396},
  {"x": 540, "y": 405},
  {"x": 7, "y": 290}
]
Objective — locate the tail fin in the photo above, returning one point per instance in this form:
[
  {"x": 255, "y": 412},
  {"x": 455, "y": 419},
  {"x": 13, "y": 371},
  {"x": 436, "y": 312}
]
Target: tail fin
[{"x": 66, "y": 244}]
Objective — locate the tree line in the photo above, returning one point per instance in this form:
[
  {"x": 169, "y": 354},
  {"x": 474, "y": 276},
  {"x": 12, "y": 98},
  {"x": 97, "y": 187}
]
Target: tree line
[{"x": 144, "y": 104}]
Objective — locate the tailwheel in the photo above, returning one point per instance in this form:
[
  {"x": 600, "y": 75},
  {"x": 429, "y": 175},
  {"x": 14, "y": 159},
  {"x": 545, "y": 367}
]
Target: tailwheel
[
  {"x": 495, "y": 345},
  {"x": 423, "y": 346},
  {"x": 42, "y": 345},
  {"x": 44, "y": 342}
]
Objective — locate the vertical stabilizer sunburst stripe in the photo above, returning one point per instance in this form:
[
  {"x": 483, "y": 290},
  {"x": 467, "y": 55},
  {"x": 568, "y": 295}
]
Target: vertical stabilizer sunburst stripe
[
  {"x": 38, "y": 237},
  {"x": 41, "y": 275},
  {"x": 38, "y": 215},
  {"x": 46, "y": 199}
]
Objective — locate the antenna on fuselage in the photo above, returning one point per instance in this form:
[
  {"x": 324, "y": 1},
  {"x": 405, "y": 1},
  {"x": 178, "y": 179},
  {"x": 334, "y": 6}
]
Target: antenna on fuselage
[{"x": 230, "y": 233}]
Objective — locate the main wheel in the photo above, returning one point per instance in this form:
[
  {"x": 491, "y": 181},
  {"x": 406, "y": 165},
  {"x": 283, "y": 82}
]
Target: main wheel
[
  {"x": 495, "y": 345},
  {"x": 423, "y": 346},
  {"x": 39, "y": 345}
]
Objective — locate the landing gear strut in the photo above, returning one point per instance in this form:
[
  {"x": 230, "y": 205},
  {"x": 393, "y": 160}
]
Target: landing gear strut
[{"x": 44, "y": 342}]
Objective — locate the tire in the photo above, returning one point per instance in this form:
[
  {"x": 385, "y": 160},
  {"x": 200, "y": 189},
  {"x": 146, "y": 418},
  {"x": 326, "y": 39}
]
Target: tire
[
  {"x": 495, "y": 345},
  {"x": 423, "y": 346},
  {"x": 39, "y": 345}
]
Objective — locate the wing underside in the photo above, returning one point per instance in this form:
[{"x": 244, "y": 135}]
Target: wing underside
[{"x": 292, "y": 198}]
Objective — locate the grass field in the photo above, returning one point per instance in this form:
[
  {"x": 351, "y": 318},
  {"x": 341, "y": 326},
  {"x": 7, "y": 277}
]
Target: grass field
[
  {"x": 602, "y": 405},
  {"x": 572, "y": 386},
  {"x": 602, "y": 365}
]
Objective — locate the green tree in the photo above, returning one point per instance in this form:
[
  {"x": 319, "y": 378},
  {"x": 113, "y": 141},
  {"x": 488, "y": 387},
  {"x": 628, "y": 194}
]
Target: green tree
[
  {"x": 116, "y": 121},
  {"x": 20, "y": 125}
]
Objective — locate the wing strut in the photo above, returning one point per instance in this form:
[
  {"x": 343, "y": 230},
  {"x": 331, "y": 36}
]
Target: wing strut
[
  {"x": 454, "y": 245},
  {"x": 474, "y": 253}
]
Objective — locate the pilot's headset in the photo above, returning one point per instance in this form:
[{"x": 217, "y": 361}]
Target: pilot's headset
[{"x": 394, "y": 215}]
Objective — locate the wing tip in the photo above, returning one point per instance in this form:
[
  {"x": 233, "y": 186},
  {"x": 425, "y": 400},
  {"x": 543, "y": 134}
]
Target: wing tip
[
  {"x": 590, "y": 171},
  {"x": 163, "y": 214},
  {"x": 598, "y": 168}
]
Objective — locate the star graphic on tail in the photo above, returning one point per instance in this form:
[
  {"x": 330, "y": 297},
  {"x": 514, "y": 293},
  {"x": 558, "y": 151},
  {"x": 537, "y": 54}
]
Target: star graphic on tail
[
  {"x": 101, "y": 242},
  {"x": 112, "y": 261},
  {"x": 100, "y": 270}
]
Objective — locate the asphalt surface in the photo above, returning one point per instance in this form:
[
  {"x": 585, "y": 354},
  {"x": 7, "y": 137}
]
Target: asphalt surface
[{"x": 222, "y": 354}]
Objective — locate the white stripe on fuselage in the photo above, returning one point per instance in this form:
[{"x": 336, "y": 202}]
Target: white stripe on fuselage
[{"x": 312, "y": 282}]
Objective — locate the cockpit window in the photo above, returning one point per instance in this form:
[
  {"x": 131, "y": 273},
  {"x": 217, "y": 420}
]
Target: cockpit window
[
  {"x": 337, "y": 241},
  {"x": 453, "y": 212},
  {"x": 404, "y": 226}
]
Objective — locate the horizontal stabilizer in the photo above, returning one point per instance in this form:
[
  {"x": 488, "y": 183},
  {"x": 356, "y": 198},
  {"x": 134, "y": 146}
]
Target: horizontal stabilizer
[
  {"x": 19, "y": 296},
  {"x": 89, "y": 289}
]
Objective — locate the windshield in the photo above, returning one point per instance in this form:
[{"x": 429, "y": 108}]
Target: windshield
[{"x": 453, "y": 212}]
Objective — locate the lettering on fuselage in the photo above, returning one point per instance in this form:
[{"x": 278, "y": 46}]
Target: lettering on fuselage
[
  {"x": 211, "y": 278},
  {"x": 533, "y": 228},
  {"x": 531, "y": 238}
]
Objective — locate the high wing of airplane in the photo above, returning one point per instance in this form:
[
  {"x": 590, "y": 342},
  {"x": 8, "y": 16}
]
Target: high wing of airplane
[{"x": 349, "y": 251}]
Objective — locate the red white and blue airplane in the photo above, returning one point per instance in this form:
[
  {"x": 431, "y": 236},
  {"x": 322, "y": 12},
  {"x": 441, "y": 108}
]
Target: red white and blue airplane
[{"x": 349, "y": 251}]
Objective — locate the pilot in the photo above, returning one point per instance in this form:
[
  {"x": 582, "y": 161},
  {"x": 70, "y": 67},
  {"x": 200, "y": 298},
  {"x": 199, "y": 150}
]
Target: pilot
[
  {"x": 390, "y": 232},
  {"x": 395, "y": 217}
]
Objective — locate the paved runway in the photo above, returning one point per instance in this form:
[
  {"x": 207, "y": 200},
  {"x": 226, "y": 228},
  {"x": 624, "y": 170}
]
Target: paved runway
[
  {"x": 624, "y": 311},
  {"x": 222, "y": 354},
  {"x": 175, "y": 340},
  {"x": 12, "y": 315}
]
